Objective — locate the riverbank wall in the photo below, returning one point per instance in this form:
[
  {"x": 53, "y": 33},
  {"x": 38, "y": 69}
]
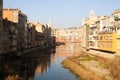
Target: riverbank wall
[
  {"x": 80, "y": 70},
  {"x": 94, "y": 65},
  {"x": 25, "y": 51}
]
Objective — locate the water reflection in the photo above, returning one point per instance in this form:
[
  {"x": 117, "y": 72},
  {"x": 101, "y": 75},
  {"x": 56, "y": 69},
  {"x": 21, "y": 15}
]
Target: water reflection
[
  {"x": 55, "y": 71},
  {"x": 25, "y": 66},
  {"x": 39, "y": 65}
]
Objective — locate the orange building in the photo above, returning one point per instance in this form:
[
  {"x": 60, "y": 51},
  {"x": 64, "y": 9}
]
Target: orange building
[{"x": 16, "y": 16}]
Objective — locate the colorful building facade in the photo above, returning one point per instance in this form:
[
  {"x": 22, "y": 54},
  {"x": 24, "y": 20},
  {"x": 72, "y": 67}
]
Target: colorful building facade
[
  {"x": 107, "y": 41},
  {"x": 16, "y": 16},
  {"x": 102, "y": 33},
  {"x": 69, "y": 35},
  {"x": 9, "y": 36}
]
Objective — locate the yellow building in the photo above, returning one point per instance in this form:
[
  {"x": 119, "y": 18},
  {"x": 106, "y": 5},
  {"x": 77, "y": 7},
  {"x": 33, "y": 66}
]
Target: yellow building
[{"x": 107, "y": 41}]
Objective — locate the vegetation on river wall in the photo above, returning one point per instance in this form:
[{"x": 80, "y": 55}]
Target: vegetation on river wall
[
  {"x": 80, "y": 70},
  {"x": 114, "y": 67},
  {"x": 89, "y": 67}
]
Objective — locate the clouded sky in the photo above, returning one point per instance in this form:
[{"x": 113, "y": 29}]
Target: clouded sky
[{"x": 62, "y": 13}]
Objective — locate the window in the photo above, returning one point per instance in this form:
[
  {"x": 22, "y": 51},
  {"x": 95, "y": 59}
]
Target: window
[{"x": 100, "y": 37}]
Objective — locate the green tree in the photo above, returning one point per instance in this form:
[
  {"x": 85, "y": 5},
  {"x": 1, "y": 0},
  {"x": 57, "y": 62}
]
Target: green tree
[{"x": 87, "y": 27}]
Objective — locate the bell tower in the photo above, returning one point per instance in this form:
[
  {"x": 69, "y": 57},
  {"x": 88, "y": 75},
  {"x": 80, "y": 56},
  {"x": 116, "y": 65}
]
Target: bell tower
[{"x": 92, "y": 14}]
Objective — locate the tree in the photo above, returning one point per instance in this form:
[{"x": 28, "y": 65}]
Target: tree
[{"x": 87, "y": 27}]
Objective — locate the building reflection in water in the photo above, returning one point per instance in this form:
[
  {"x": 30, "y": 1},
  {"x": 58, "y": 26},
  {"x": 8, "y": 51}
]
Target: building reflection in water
[
  {"x": 55, "y": 70},
  {"x": 39, "y": 64},
  {"x": 70, "y": 49},
  {"x": 26, "y": 66}
]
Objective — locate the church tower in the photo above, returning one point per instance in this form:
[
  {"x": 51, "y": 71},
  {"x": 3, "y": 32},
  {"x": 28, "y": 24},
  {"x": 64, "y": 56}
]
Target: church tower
[
  {"x": 92, "y": 17},
  {"x": 92, "y": 14}
]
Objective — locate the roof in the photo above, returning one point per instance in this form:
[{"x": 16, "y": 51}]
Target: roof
[
  {"x": 15, "y": 9},
  {"x": 116, "y": 11}
]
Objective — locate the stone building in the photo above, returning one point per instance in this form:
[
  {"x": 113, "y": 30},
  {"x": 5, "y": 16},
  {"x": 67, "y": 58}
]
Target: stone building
[
  {"x": 39, "y": 27},
  {"x": 41, "y": 34},
  {"x": 53, "y": 37},
  {"x": 31, "y": 34},
  {"x": 69, "y": 35},
  {"x": 47, "y": 35},
  {"x": 116, "y": 15},
  {"x": 86, "y": 26},
  {"x": 16, "y": 16},
  {"x": 9, "y": 36},
  {"x": 102, "y": 32},
  {"x": 94, "y": 29},
  {"x": 1, "y": 24}
]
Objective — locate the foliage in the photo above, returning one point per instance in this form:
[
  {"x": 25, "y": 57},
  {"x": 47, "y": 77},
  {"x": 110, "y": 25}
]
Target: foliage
[
  {"x": 114, "y": 67},
  {"x": 87, "y": 27},
  {"x": 85, "y": 57},
  {"x": 80, "y": 71}
]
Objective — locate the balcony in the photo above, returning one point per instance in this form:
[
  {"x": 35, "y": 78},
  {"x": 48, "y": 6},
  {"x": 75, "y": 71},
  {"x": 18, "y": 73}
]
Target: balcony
[{"x": 12, "y": 32}]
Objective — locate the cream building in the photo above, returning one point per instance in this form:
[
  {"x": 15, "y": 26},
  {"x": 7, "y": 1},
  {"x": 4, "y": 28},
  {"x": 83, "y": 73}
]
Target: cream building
[
  {"x": 86, "y": 25},
  {"x": 69, "y": 35},
  {"x": 94, "y": 29},
  {"x": 91, "y": 19},
  {"x": 107, "y": 25},
  {"x": 45, "y": 30},
  {"x": 39, "y": 27},
  {"x": 116, "y": 16},
  {"x": 91, "y": 27}
]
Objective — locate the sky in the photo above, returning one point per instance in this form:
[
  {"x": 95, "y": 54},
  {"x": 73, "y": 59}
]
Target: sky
[{"x": 62, "y": 13}]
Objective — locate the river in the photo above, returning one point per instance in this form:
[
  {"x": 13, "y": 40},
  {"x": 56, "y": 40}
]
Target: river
[{"x": 40, "y": 64}]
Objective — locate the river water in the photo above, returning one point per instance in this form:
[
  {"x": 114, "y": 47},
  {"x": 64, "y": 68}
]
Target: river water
[{"x": 40, "y": 64}]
